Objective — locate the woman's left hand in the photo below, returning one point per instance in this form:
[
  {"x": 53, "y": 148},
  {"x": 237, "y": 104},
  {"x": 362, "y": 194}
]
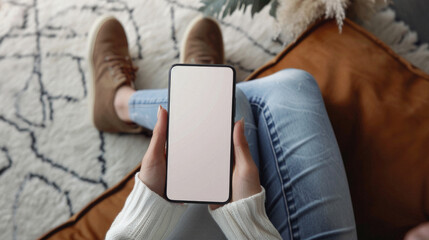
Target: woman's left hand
[{"x": 153, "y": 167}]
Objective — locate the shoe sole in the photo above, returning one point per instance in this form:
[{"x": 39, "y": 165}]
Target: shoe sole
[
  {"x": 90, "y": 52},
  {"x": 188, "y": 31}
]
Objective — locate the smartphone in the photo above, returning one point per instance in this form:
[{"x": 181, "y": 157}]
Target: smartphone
[{"x": 199, "y": 150}]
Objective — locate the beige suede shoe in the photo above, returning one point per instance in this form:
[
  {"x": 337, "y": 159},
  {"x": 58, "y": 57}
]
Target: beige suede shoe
[
  {"x": 110, "y": 67},
  {"x": 203, "y": 43}
]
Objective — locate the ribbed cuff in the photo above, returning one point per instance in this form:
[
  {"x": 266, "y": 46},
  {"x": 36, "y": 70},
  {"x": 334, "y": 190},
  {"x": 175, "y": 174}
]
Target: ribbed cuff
[
  {"x": 145, "y": 215},
  {"x": 246, "y": 219}
]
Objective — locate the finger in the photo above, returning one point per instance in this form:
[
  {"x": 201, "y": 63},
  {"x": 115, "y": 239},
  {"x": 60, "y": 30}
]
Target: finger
[
  {"x": 419, "y": 232},
  {"x": 157, "y": 143},
  {"x": 241, "y": 147}
]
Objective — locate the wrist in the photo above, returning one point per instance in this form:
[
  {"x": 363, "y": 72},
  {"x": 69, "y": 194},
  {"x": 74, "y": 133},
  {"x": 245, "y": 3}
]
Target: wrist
[
  {"x": 152, "y": 181},
  {"x": 246, "y": 219}
]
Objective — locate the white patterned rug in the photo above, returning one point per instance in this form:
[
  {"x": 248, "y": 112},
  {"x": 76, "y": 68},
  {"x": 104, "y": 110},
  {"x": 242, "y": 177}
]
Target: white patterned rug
[{"x": 52, "y": 161}]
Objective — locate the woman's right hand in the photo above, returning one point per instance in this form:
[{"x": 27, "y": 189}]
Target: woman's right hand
[{"x": 245, "y": 176}]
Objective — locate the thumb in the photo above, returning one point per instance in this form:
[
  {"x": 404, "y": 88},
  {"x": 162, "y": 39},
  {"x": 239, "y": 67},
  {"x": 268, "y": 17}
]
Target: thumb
[
  {"x": 157, "y": 143},
  {"x": 245, "y": 179},
  {"x": 241, "y": 147}
]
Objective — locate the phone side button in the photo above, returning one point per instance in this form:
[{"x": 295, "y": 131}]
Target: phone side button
[{"x": 234, "y": 107}]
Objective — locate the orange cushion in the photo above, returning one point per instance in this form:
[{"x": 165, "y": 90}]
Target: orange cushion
[{"x": 379, "y": 107}]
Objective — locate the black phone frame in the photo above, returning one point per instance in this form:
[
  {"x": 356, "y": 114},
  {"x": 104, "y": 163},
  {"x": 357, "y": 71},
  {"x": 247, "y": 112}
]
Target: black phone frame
[{"x": 232, "y": 130}]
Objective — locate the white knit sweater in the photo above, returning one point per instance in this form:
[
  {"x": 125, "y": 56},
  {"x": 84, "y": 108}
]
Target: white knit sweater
[{"x": 146, "y": 215}]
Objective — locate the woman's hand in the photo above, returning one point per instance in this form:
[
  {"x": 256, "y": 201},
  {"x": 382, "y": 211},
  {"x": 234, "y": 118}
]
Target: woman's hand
[
  {"x": 245, "y": 176},
  {"x": 153, "y": 167},
  {"x": 420, "y": 232}
]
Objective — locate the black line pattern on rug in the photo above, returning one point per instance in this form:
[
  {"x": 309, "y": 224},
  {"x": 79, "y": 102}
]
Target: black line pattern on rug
[
  {"x": 30, "y": 176},
  {"x": 173, "y": 33},
  {"x": 36, "y": 72},
  {"x": 24, "y": 22},
  {"x": 78, "y": 61},
  {"x": 277, "y": 39},
  {"x": 34, "y": 149},
  {"x": 8, "y": 158},
  {"x": 50, "y": 98},
  {"x": 45, "y": 98},
  {"x": 101, "y": 159},
  {"x": 44, "y": 95}
]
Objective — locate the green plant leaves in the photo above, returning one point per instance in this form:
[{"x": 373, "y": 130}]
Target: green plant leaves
[{"x": 222, "y": 8}]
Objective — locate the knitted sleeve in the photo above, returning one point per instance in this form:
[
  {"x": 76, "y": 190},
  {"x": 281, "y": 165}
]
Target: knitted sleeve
[{"x": 145, "y": 215}]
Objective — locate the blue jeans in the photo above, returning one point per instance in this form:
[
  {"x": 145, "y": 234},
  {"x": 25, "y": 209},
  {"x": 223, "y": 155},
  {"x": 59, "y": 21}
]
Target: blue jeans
[{"x": 294, "y": 147}]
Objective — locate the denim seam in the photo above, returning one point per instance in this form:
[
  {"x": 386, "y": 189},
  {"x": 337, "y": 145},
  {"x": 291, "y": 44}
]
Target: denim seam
[
  {"x": 288, "y": 200},
  {"x": 147, "y": 101},
  {"x": 137, "y": 103}
]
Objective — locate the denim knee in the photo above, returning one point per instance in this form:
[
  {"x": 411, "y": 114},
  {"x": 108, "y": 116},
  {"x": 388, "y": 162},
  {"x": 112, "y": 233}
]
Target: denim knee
[
  {"x": 295, "y": 83},
  {"x": 298, "y": 75}
]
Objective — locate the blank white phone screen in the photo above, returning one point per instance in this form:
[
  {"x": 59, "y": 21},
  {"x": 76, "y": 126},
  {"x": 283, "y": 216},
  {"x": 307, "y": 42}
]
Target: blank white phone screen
[{"x": 199, "y": 133}]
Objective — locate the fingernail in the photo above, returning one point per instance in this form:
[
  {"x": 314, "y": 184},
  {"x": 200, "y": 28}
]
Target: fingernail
[
  {"x": 159, "y": 110},
  {"x": 242, "y": 123}
]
